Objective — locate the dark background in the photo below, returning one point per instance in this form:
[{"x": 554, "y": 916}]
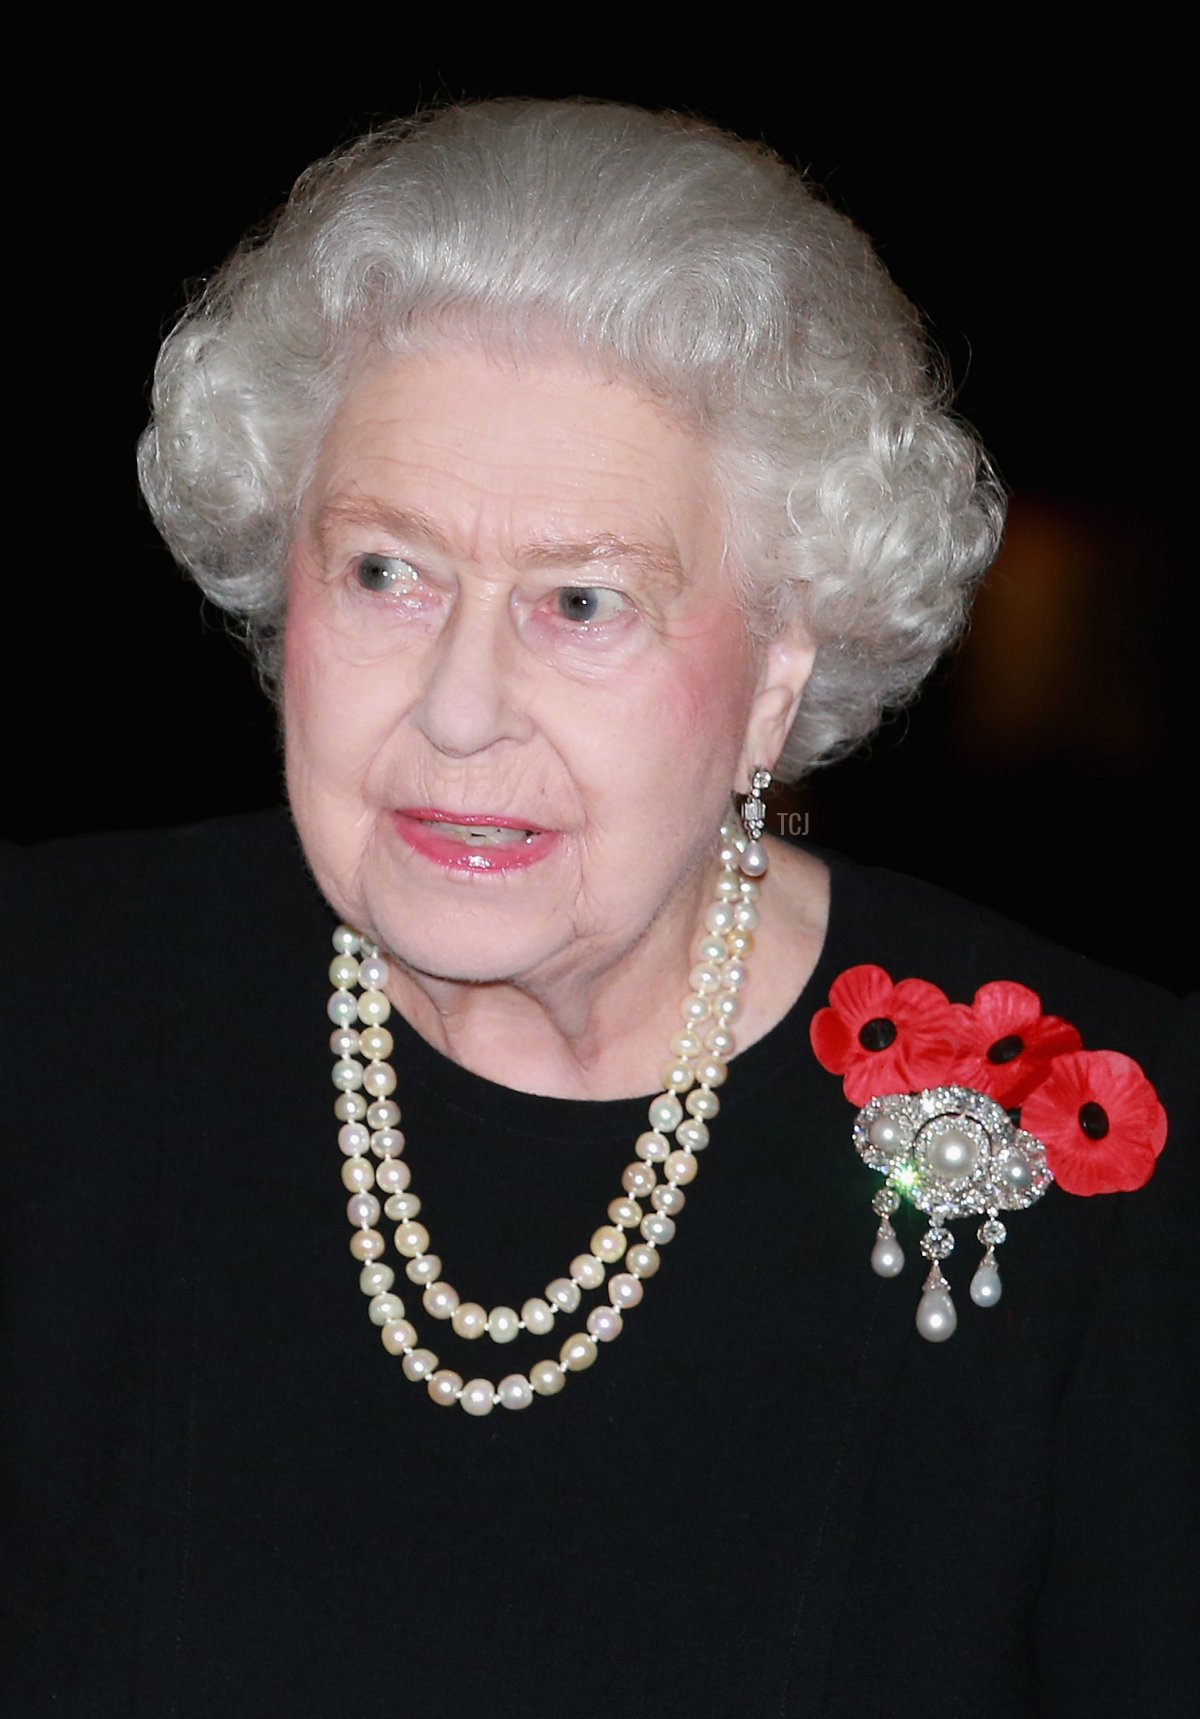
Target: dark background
[{"x": 1044, "y": 769}]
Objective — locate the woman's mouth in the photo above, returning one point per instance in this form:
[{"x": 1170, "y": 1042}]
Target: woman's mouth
[{"x": 475, "y": 843}]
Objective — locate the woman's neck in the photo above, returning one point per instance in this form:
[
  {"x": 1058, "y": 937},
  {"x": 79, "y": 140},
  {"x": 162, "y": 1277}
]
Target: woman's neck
[{"x": 602, "y": 1029}]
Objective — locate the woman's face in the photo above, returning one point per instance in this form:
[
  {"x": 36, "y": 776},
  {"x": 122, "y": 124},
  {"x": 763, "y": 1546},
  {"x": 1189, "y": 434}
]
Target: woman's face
[{"x": 518, "y": 688}]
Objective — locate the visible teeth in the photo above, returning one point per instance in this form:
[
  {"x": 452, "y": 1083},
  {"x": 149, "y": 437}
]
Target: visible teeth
[{"x": 484, "y": 835}]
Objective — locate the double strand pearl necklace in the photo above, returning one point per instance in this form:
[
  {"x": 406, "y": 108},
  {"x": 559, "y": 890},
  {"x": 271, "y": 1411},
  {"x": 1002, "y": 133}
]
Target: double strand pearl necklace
[{"x": 633, "y": 1236}]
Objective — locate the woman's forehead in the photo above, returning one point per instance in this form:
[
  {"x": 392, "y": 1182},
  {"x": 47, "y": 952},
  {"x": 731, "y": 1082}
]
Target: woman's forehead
[{"x": 561, "y": 464}]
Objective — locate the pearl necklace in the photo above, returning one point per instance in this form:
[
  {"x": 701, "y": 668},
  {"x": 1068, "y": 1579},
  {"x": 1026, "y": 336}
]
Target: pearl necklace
[{"x": 632, "y": 1237}]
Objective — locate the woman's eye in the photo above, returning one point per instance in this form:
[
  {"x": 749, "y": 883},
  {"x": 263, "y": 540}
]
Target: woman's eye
[
  {"x": 384, "y": 573},
  {"x": 584, "y": 603}
]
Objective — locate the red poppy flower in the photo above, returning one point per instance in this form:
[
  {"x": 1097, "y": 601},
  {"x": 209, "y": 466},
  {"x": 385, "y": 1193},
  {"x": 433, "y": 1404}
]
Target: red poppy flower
[
  {"x": 1100, "y": 1121},
  {"x": 1008, "y": 1044},
  {"x": 884, "y": 1037}
]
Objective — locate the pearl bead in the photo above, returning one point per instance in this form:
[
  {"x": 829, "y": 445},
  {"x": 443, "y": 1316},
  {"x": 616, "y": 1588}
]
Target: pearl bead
[
  {"x": 411, "y": 1240},
  {"x": 936, "y": 1318},
  {"x": 714, "y": 950},
  {"x": 680, "y": 1167},
  {"x": 373, "y": 1008},
  {"x": 986, "y": 1287},
  {"x": 347, "y": 1075},
  {"x": 721, "y": 1042},
  {"x": 397, "y": 1337},
  {"x": 652, "y": 1146},
  {"x": 419, "y": 1364},
  {"x": 711, "y": 1071},
  {"x": 668, "y": 1198},
  {"x": 372, "y": 973},
  {"x": 638, "y": 1179},
  {"x": 608, "y": 1243},
  {"x": 424, "y": 1269},
  {"x": 469, "y": 1320},
  {"x": 741, "y": 943},
  {"x": 745, "y": 916},
  {"x": 384, "y": 1113},
  {"x": 393, "y": 1175},
  {"x": 728, "y": 887},
  {"x": 692, "y": 1135},
  {"x": 951, "y": 1154},
  {"x": 604, "y": 1324},
  {"x": 695, "y": 1008},
  {"x": 478, "y": 1397},
  {"x": 357, "y": 1174},
  {"x": 538, "y": 1316},
  {"x": 375, "y": 1277},
  {"x": 400, "y": 1207},
  {"x": 343, "y": 972},
  {"x": 626, "y": 1290},
  {"x": 439, "y": 1300},
  {"x": 666, "y": 1113},
  {"x": 658, "y": 1228},
  {"x": 385, "y": 1309},
  {"x": 377, "y": 1042},
  {"x": 577, "y": 1353},
  {"x": 350, "y": 1107},
  {"x": 587, "y": 1271},
  {"x": 362, "y": 1209},
  {"x": 346, "y": 940},
  {"x": 705, "y": 978},
  {"x": 546, "y": 1378},
  {"x": 515, "y": 1392},
  {"x": 720, "y": 918},
  {"x": 563, "y": 1293},
  {"x": 749, "y": 889},
  {"x": 727, "y": 1006},
  {"x": 686, "y": 1045},
  {"x": 676, "y": 1076},
  {"x": 503, "y": 1324},
  {"x": 643, "y": 1260},
  {"x": 353, "y": 1138},
  {"x": 626, "y": 1213},
  {"x": 341, "y": 1008},
  {"x": 387, "y": 1143},
  {"x": 344, "y": 1041},
  {"x": 703, "y": 1104},
  {"x": 366, "y": 1244},
  {"x": 444, "y": 1387},
  {"x": 379, "y": 1078}
]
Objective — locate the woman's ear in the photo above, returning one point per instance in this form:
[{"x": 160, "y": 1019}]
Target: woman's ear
[{"x": 786, "y": 664}]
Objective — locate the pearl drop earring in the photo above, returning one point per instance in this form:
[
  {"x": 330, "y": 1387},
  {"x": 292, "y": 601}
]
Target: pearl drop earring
[{"x": 753, "y": 862}]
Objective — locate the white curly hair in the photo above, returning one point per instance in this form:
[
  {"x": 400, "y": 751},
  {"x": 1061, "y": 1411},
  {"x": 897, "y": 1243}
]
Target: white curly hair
[{"x": 698, "y": 266}]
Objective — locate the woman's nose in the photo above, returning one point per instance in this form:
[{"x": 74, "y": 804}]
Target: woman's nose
[{"x": 472, "y": 693}]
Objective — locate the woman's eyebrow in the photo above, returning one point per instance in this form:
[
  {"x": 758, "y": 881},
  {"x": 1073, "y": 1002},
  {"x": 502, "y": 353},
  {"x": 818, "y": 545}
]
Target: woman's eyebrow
[
  {"x": 408, "y": 523},
  {"x": 661, "y": 563}
]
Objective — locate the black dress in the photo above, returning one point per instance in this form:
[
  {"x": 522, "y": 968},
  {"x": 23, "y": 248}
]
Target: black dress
[{"x": 769, "y": 1497}]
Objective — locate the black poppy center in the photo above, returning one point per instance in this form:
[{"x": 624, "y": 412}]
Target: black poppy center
[
  {"x": 1004, "y": 1050},
  {"x": 1093, "y": 1119},
  {"x": 878, "y": 1034}
]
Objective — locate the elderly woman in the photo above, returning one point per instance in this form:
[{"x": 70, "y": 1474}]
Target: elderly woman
[{"x": 575, "y": 471}]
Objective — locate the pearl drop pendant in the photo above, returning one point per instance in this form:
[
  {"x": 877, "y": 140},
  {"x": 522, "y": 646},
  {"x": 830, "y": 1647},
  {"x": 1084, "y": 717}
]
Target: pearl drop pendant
[{"x": 936, "y": 1317}]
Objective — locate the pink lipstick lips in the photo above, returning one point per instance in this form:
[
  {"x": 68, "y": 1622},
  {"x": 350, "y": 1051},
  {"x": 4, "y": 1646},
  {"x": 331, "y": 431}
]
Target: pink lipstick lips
[{"x": 472, "y": 842}]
